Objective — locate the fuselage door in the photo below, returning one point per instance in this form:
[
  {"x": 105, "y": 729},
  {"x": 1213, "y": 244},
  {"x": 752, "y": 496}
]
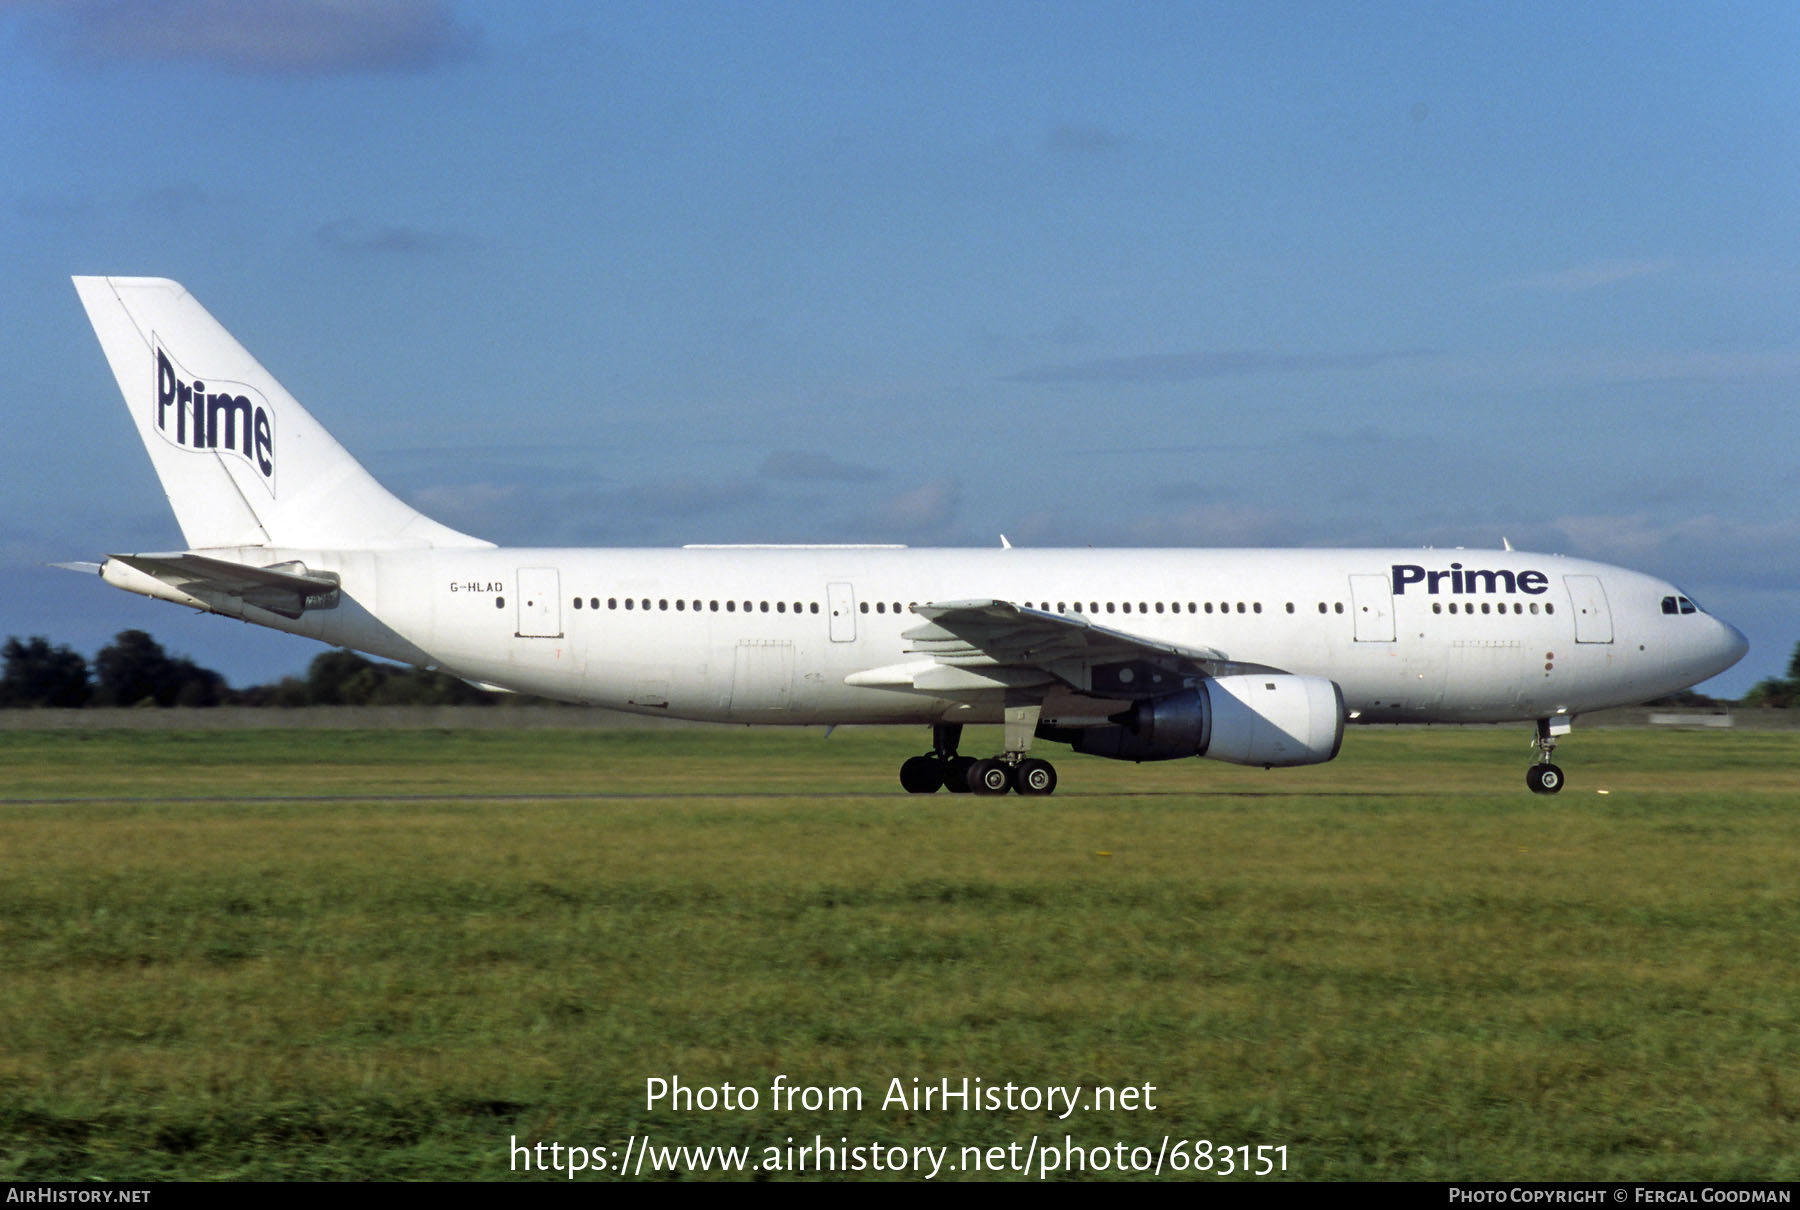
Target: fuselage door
[
  {"x": 1593, "y": 619},
  {"x": 763, "y": 676},
  {"x": 540, "y": 603},
  {"x": 841, "y": 599},
  {"x": 1372, "y": 600}
]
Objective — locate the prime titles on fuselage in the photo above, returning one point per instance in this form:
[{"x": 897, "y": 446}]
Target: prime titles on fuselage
[{"x": 1469, "y": 582}]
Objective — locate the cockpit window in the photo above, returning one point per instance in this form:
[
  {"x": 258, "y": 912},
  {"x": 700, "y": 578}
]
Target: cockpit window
[{"x": 1678, "y": 604}]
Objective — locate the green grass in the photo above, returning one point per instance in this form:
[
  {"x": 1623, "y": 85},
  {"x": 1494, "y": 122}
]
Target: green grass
[{"x": 1401, "y": 965}]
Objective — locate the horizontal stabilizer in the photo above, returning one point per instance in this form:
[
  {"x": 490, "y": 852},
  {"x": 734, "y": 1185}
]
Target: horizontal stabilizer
[{"x": 288, "y": 589}]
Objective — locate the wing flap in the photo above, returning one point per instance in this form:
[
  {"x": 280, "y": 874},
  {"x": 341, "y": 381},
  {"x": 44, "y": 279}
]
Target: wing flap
[
  {"x": 1013, "y": 633},
  {"x": 998, "y": 640}
]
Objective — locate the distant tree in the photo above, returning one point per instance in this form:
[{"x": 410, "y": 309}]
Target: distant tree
[
  {"x": 131, "y": 669},
  {"x": 1686, "y": 699},
  {"x": 1772, "y": 694},
  {"x": 343, "y": 678},
  {"x": 1776, "y": 693},
  {"x": 288, "y": 691},
  {"x": 441, "y": 689},
  {"x": 134, "y": 670},
  {"x": 197, "y": 686},
  {"x": 38, "y": 674}
]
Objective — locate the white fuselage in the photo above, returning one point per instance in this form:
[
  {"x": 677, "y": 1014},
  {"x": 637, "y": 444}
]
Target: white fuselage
[{"x": 792, "y": 634}]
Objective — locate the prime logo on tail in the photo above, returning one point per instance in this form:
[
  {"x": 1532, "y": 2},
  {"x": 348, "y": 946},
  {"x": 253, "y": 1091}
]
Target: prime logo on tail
[{"x": 228, "y": 417}]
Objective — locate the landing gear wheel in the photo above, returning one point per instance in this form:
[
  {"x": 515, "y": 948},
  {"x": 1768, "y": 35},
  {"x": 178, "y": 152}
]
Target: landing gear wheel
[
  {"x": 990, "y": 777},
  {"x": 1544, "y": 779},
  {"x": 922, "y": 775},
  {"x": 956, "y": 774},
  {"x": 1035, "y": 777}
]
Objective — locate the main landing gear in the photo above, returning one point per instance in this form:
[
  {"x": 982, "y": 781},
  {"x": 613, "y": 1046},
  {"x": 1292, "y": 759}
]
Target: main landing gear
[
  {"x": 1544, "y": 777},
  {"x": 943, "y": 768}
]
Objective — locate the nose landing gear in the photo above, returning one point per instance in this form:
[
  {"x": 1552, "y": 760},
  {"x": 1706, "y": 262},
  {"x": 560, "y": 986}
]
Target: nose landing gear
[{"x": 1544, "y": 777}]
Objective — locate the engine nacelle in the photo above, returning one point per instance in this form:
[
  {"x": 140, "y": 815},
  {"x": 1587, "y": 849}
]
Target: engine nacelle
[{"x": 1268, "y": 720}]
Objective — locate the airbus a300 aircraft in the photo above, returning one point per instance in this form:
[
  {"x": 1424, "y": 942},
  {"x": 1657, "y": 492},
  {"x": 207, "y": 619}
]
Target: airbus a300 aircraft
[{"x": 1257, "y": 657}]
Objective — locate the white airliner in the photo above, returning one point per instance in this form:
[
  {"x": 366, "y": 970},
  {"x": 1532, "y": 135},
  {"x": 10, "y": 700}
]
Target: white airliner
[{"x": 1258, "y": 657}]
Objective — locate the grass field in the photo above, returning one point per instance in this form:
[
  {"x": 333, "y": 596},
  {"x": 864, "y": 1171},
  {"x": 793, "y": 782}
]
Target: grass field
[{"x": 298, "y": 955}]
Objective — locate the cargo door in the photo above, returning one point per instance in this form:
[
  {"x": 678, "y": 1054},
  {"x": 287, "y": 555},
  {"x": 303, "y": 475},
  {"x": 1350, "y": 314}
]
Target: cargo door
[{"x": 762, "y": 676}]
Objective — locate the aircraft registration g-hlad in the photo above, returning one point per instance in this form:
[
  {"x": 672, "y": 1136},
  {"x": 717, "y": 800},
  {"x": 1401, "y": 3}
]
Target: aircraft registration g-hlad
[{"x": 1258, "y": 657}]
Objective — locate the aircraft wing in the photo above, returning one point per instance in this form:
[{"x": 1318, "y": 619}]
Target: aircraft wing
[
  {"x": 971, "y": 646},
  {"x": 1005, "y": 633},
  {"x": 288, "y": 589}
]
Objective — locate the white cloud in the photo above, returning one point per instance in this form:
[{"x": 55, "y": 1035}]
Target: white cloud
[
  {"x": 1190, "y": 367},
  {"x": 1720, "y": 550},
  {"x": 803, "y": 466},
  {"x": 1213, "y": 525},
  {"x": 923, "y": 514},
  {"x": 279, "y": 37},
  {"x": 351, "y": 236},
  {"x": 1592, "y": 275}
]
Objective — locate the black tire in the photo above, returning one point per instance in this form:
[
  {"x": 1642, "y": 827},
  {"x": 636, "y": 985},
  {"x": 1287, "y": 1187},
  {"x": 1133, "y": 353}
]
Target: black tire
[
  {"x": 922, "y": 775},
  {"x": 990, "y": 777},
  {"x": 1035, "y": 777},
  {"x": 1544, "y": 779},
  {"x": 956, "y": 774}
]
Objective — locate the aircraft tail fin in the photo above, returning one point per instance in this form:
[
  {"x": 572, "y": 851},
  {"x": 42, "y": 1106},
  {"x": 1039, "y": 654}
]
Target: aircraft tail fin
[{"x": 243, "y": 464}]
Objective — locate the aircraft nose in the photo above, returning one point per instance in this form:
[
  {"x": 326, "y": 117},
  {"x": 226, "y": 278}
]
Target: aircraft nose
[{"x": 1729, "y": 645}]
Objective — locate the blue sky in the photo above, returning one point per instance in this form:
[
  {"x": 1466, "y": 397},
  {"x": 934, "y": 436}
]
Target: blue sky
[{"x": 1197, "y": 274}]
